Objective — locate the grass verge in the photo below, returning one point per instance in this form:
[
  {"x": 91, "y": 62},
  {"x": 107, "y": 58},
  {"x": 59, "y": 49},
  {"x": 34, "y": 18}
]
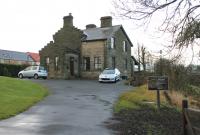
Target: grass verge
[
  {"x": 134, "y": 99},
  {"x": 137, "y": 112},
  {"x": 18, "y": 95}
]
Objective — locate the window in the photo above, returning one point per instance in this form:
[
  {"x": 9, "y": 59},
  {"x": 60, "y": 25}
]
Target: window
[
  {"x": 47, "y": 63},
  {"x": 125, "y": 47},
  {"x": 126, "y": 64},
  {"x": 56, "y": 63},
  {"x": 34, "y": 67},
  {"x": 41, "y": 68},
  {"x": 113, "y": 62},
  {"x": 112, "y": 43},
  {"x": 86, "y": 63},
  {"x": 97, "y": 63},
  {"x": 1, "y": 60},
  {"x": 7, "y": 61},
  {"x": 28, "y": 68},
  {"x": 47, "y": 60}
]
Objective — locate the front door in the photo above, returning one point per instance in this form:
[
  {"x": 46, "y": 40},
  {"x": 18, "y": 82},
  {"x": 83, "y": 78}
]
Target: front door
[{"x": 72, "y": 66}]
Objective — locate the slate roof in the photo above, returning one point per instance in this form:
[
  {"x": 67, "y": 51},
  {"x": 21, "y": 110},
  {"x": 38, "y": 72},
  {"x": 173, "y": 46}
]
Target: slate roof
[
  {"x": 102, "y": 33},
  {"x": 13, "y": 55}
]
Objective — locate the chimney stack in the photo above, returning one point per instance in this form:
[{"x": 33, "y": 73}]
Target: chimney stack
[
  {"x": 89, "y": 26},
  {"x": 106, "y": 21},
  {"x": 68, "y": 20}
]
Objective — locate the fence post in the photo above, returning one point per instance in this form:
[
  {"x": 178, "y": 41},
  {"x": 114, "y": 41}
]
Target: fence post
[{"x": 184, "y": 106}]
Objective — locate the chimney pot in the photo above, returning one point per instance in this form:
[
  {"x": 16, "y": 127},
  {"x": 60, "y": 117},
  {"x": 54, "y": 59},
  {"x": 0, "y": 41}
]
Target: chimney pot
[{"x": 90, "y": 26}]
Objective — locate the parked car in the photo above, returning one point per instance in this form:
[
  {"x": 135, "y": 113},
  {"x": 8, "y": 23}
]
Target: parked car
[
  {"x": 109, "y": 75},
  {"x": 33, "y": 72}
]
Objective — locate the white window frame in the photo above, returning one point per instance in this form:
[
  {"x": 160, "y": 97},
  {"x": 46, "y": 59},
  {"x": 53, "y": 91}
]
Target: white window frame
[
  {"x": 97, "y": 63},
  {"x": 124, "y": 46},
  {"x": 47, "y": 60},
  {"x": 56, "y": 62},
  {"x": 112, "y": 42}
]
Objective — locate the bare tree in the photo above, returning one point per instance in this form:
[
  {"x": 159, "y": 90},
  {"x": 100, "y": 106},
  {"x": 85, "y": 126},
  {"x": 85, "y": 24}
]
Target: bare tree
[
  {"x": 182, "y": 17},
  {"x": 141, "y": 54},
  {"x": 143, "y": 57}
]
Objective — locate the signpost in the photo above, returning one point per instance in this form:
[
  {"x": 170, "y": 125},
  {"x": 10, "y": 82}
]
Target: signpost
[{"x": 158, "y": 83}]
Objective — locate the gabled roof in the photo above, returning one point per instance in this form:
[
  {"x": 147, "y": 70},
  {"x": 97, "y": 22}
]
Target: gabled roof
[
  {"x": 34, "y": 56},
  {"x": 102, "y": 33},
  {"x": 136, "y": 62},
  {"x": 13, "y": 55}
]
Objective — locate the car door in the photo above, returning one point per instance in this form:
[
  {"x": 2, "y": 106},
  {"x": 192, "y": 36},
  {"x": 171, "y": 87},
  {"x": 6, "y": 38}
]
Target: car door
[
  {"x": 33, "y": 71},
  {"x": 26, "y": 71}
]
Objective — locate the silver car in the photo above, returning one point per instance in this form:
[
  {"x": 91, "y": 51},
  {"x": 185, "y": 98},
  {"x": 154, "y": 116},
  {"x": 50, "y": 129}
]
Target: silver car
[
  {"x": 33, "y": 72},
  {"x": 109, "y": 75}
]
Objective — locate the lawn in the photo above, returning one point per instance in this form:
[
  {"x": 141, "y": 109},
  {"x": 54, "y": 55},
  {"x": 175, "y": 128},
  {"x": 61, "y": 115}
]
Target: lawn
[
  {"x": 18, "y": 95},
  {"x": 138, "y": 114}
]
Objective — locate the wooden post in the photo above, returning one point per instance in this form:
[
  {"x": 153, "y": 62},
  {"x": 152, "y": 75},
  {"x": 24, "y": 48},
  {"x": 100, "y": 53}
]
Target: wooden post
[
  {"x": 158, "y": 99},
  {"x": 184, "y": 106}
]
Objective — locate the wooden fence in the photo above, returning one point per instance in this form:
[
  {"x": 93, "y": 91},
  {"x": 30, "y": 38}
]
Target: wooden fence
[{"x": 191, "y": 120}]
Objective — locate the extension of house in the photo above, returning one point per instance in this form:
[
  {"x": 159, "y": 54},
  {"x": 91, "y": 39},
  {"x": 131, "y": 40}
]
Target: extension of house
[
  {"x": 85, "y": 53},
  {"x": 19, "y": 58}
]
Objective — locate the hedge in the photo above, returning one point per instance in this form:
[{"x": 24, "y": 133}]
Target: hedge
[{"x": 11, "y": 70}]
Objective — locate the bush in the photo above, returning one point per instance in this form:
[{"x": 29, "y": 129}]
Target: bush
[
  {"x": 140, "y": 78},
  {"x": 192, "y": 91},
  {"x": 10, "y": 70},
  {"x": 177, "y": 73}
]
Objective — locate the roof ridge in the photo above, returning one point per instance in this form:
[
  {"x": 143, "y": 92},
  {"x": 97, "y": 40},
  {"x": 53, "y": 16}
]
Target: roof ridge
[
  {"x": 11, "y": 51},
  {"x": 102, "y": 27}
]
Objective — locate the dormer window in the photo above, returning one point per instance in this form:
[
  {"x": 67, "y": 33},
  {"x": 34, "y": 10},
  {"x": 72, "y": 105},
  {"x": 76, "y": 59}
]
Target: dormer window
[
  {"x": 125, "y": 47},
  {"x": 112, "y": 43}
]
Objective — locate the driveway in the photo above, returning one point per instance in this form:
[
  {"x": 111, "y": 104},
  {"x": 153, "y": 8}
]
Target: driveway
[{"x": 74, "y": 107}]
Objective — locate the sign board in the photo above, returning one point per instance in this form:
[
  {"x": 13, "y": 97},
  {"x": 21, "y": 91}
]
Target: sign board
[{"x": 158, "y": 83}]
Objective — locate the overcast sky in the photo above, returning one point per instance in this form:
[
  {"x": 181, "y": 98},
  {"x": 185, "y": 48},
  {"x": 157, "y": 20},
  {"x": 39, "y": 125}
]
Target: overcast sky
[{"x": 28, "y": 25}]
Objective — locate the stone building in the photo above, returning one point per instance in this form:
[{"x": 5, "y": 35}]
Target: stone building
[
  {"x": 61, "y": 57},
  {"x": 85, "y": 53}
]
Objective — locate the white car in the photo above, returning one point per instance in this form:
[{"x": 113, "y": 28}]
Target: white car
[
  {"x": 109, "y": 75},
  {"x": 33, "y": 72}
]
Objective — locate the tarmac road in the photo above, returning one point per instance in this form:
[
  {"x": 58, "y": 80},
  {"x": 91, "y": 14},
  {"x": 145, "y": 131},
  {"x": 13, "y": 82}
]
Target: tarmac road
[{"x": 74, "y": 107}]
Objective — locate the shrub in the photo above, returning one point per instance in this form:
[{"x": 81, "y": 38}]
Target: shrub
[
  {"x": 192, "y": 91},
  {"x": 10, "y": 70}
]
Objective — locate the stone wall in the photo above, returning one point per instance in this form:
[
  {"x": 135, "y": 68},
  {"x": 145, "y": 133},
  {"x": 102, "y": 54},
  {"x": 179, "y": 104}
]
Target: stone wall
[
  {"x": 119, "y": 54},
  {"x": 66, "y": 41},
  {"x": 93, "y": 49}
]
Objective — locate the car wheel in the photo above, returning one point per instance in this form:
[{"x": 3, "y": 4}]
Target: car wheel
[
  {"x": 115, "y": 80},
  {"x": 45, "y": 78},
  {"x": 20, "y": 76},
  {"x": 35, "y": 76}
]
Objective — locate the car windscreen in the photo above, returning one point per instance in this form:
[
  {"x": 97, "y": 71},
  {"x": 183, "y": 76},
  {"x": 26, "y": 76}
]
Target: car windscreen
[
  {"x": 108, "y": 71},
  {"x": 41, "y": 68}
]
